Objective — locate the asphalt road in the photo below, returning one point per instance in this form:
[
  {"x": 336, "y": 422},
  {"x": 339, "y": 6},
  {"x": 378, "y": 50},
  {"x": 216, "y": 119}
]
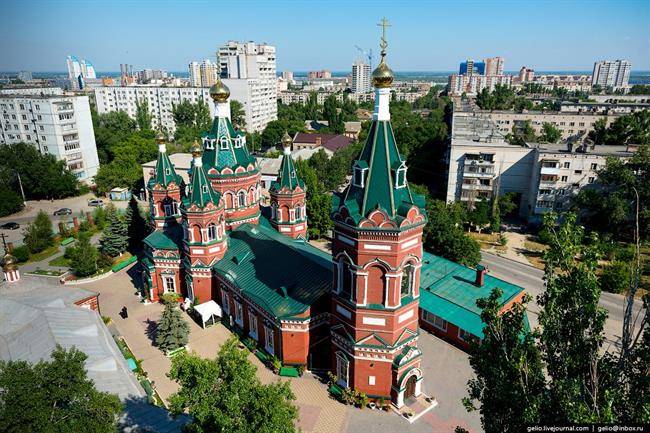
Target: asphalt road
[{"x": 531, "y": 279}]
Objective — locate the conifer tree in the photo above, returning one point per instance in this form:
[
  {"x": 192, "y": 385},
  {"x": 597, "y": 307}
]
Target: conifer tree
[
  {"x": 136, "y": 225},
  {"x": 39, "y": 235},
  {"x": 115, "y": 239},
  {"x": 83, "y": 257},
  {"x": 173, "y": 330}
]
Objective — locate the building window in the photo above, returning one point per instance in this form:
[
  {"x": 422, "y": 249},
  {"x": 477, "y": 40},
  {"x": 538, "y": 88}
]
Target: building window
[
  {"x": 239, "y": 313},
  {"x": 212, "y": 232},
  {"x": 209, "y": 144},
  {"x": 169, "y": 284},
  {"x": 171, "y": 209},
  {"x": 400, "y": 177},
  {"x": 594, "y": 166},
  {"x": 567, "y": 165},
  {"x": 223, "y": 143},
  {"x": 241, "y": 198},
  {"x": 578, "y": 172},
  {"x": 407, "y": 280},
  {"x": 298, "y": 213},
  {"x": 591, "y": 179},
  {"x": 268, "y": 339},
  {"x": 359, "y": 176},
  {"x": 347, "y": 279},
  {"x": 436, "y": 321},
  {"x": 224, "y": 302},
  {"x": 464, "y": 335},
  {"x": 371, "y": 380},
  {"x": 342, "y": 369},
  {"x": 565, "y": 178},
  {"x": 252, "y": 325}
]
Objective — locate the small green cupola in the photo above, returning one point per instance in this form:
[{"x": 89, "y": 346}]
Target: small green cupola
[
  {"x": 200, "y": 189},
  {"x": 287, "y": 177},
  {"x": 164, "y": 173}
]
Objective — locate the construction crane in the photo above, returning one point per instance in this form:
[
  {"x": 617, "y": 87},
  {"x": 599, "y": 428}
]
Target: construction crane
[{"x": 366, "y": 54}]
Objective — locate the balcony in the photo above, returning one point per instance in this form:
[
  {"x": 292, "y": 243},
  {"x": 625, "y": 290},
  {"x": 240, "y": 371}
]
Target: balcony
[
  {"x": 550, "y": 170},
  {"x": 476, "y": 187},
  {"x": 479, "y": 171}
]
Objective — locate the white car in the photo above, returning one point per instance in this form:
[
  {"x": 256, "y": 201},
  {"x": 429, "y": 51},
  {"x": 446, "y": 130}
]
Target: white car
[{"x": 96, "y": 202}]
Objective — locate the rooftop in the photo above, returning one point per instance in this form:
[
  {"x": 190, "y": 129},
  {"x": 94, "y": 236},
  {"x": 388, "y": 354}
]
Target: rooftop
[
  {"x": 282, "y": 275},
  {"x": 331, "y": 142},
  {"x": 449, "y": 291}
]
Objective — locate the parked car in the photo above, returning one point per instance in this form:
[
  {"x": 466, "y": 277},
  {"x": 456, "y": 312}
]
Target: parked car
[
  {"x": 10, "y": 226},
  {"x": 96, "y": 202},
  {"x": 63, "y": 211}
]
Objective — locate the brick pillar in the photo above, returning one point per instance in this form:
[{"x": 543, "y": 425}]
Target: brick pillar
[
  {"x": 61, "y": 228},
  {"x": 89, "y": 218},
  {"x": 10, "y": 247},
  {"x": 75, "y": 221}
]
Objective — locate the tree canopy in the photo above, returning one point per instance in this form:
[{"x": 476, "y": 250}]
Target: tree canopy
[
  {"x": 54, "y": 396},
  {"x": 224, "y": 395},
  {"x": 39, "y": 235}
]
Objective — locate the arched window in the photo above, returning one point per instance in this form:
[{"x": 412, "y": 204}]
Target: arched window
[
  {"x": 171, "y": 208},
  {"x": 209, "y": 144},
  {"x": 407, "y": 280},
  {"x": 242, "y": 198},
  {"x": 274, "y": 211},
  {"x": 212, "y": 232},
  {"x": 223, "y": 143},
  {"x": 346, "y": 279},
  {"x": 298, "y": 213}
]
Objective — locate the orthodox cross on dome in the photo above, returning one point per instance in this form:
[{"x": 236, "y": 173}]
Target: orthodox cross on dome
[{"x": 383, "y": 44}]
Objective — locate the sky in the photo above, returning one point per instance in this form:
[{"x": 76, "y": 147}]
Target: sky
[{"x": 312, "y": 35}]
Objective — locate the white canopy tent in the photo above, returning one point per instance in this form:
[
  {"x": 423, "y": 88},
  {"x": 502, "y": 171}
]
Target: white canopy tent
[{"x": 208, "y": 311}]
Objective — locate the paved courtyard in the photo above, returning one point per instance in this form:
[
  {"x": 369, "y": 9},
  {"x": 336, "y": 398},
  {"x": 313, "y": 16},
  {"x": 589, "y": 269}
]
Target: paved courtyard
[{"x": 446, "y": 370}]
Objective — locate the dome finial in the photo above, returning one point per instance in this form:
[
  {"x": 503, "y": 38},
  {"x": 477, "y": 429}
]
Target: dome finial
[
  {"x": 382, "y": 76},
  {"x": 287, "y": 142},
  {"x": 219, "y": 92},
  {"x": 196, "y": 149}
]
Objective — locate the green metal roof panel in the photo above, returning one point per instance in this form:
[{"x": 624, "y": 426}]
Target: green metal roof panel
[
  {"x": 449, "y": 291},
  {"x": 201, "y": 192},
  {"x": 288, "y": 176},
  {"x": 381, "y": 158},
  {"x": 164, "y": 173},
  {"x": 161, "y": 241},
  {"x": 265, "y": 265},
  {"x": 230, "y": 156}
]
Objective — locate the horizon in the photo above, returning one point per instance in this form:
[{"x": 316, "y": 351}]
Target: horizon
[{"x": 301, "y": 33}]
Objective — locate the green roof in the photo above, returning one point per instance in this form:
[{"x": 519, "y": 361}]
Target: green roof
[
  {"x": 448, "y": 290},
  {"x": 161, "y": 241},
  {"x": 229, "y": 154},
  {"x": 164, "y": 173},
  {"x": 282, "y": 275},
  {"x": 379, "y": 160},
  {"x": 201, "y": 192},
  {"x": 288, "y": 176}
]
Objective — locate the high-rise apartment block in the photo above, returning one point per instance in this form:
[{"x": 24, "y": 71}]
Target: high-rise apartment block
[
  {"x": 25, "y": 76},
  {"x": 360, "y": 77},
  {"x": 79, "y": 71},
  {"x": 288, "y": 75},
  {"x": 54, "y": 123},
  {"x": 611, "y": 74},
  {"x": 526, "y": 75},
  {"x": 249, "y": 70},
  {"x": 314, "y": 75},
  {"x": 470, "y": 67},
  {"x": 203, "y": 74},
  {"x": 494, "y": 66}
]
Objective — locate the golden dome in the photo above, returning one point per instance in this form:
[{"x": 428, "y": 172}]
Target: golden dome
[
  {"x": 160, "y": 138},
  {"x": 196, "y": 149},
  {"x": 286, "y": 140},
  {"x": 219, "y": 92},
  {"x": 382, "y": 76},
  {"x": 8, "y": 262}
]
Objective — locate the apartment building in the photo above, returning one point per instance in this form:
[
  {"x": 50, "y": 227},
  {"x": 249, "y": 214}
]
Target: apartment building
[
  {"x": 472, "y": 84},
  {"x": 57, "y": 124},
  {"x": 605, "y": 107},
  {"x": 79, "y": 71},
  {"x": 494, "y": 66},
  {"x": 256, "y": 65},
  {"x": 569, "y": 124},
  {"x": 481, "y": 164},
  {"x": 561, "y": 171},
  {"x": 160, "y": 100},
  {"x": 611, "y": 73},
  {"x": 360, "y": 77}
]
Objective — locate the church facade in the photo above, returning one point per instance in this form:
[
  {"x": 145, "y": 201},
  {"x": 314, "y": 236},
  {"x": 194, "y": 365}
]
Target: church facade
[{"x": 354, "y": 312}]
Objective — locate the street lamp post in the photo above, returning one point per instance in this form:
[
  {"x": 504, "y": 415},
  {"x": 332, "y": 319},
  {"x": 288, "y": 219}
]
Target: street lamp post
[{"x": 22, "y": 192}]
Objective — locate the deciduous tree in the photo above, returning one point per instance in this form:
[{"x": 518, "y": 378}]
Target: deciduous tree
[
  {"x": 54, "y": 396},
  {"x": 39, "y": 234}
]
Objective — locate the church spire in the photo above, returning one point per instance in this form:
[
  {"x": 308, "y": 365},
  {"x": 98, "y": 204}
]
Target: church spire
[
  {"x": 164, "y": 173},
  {"x": 201, "y": 191},
  {"x": 379, "y": 173},
  {"x": 287, "y": 177}
]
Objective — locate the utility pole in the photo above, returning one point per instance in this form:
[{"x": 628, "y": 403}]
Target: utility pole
[{"x": 20, "y": 184}]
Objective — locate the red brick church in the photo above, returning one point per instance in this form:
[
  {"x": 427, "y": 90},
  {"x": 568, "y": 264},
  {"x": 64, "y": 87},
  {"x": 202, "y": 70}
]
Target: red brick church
[{"x": 354, "y": 312}]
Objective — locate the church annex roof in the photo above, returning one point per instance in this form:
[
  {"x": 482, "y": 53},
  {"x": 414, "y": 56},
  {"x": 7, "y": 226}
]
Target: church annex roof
[
  {"x": 162, "y": 241},
  {"x": 448, "y": 290},
  {"x": 281, "y": 275}
]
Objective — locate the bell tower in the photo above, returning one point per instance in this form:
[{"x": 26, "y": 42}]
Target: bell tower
[
  {"x": 165, "y": 188},
  {"x": 288, "y": 210},
  {"x": 377, "y": 254},
  {"x": 204, "y": 224}
]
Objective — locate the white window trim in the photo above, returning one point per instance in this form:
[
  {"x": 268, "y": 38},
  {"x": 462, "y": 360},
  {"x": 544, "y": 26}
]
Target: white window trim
[
  {"x": 398, "y": 173},
  {"x": 224, "y": 301},
  {"x": 166, "y": 281},
  {"x": 362, "y": 178},
  {"x": 252, "y": 325},
  {"x": 269, "y": 343},
  {"x": 239, "y": 313},
  {"x": 342, "y": 360},
  {"x": 460, "y": 335}
]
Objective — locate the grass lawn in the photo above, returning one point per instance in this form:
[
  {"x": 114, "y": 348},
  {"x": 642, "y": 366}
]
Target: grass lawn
[
  {"x": 534, "y": 252},
  {"x": 43, "y": 254},
  {"x": 60, "y": 261},
  {"x": 486, "y": 240}
]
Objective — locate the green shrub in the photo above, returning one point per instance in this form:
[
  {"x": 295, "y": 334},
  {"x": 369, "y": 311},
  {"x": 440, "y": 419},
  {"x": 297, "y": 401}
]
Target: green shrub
[
  {"x": 21, "y": 253},
  {"x": 615, "y": 277}
]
